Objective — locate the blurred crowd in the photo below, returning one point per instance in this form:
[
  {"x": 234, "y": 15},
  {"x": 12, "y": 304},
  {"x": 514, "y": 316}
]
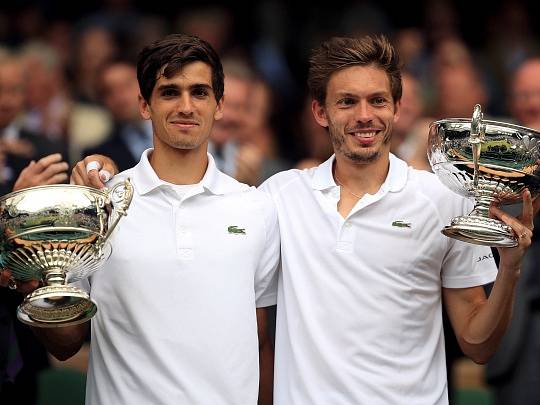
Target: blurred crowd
[{"x": 68, "y": 81}]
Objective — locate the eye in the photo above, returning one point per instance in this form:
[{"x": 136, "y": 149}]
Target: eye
[
  {"x": 167, "y": 93},
  {"x": 379, "y": 101},
  {"x": 200, "y": 92},
  {"x": 346, "y": 102}
]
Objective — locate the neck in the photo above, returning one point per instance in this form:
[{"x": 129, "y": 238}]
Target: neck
[
  {"x": 179, "y": 166},
  {"x": 361, "y": 178}
]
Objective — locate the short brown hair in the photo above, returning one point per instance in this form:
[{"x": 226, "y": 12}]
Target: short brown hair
[
  {"x": 171, "y": 54},
  {"x": 339, "y": 53}
]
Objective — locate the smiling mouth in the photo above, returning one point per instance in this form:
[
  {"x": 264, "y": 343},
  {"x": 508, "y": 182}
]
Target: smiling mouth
[
  {"x": 364, "y": 134},
  {"x": 184, "y": 124}
]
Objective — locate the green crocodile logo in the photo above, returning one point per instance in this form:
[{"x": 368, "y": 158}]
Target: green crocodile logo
[
  {"x": 236, "y": 230},
  {"x": 401, "y": 224}
]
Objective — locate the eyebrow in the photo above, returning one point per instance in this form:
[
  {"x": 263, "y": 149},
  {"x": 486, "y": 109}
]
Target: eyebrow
[
  {"x": 195, "y": 86},
  {"x": 383, "y": 93}
]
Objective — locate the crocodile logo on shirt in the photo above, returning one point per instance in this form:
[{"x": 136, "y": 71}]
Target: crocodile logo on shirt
[
  {"x": 235, "y": 230},
  {"x": 401, "y": 224}
]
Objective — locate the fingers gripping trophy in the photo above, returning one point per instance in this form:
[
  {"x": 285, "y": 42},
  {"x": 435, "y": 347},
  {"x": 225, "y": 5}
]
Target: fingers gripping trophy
[
  {"x": 489, "y": 161},
  {"x": 59, "y": 234}
]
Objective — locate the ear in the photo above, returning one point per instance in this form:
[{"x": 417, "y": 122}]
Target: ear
[
  {"x": 319, "y": 112},
  {"x": 144, "y": 108},
  {"x": 218, "y": 114},
  {"x": 397, "y": 110}
]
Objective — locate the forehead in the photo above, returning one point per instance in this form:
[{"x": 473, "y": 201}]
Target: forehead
[
  {"x": 190, "y": 74},
  {"x": 528, "y": 75},
  {"x": 119, "y": 71},
  {"x": 359, "y": 80},
  {"x": 11, "y": 73}
]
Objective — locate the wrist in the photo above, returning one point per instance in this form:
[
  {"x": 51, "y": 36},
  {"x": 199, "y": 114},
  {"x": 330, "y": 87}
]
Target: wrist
[{"x": 513, "y": 270}]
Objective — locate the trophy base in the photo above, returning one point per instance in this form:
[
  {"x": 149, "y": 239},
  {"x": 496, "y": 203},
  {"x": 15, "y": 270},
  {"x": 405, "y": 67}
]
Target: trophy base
[
  {"x": 481, "y": 231},
  {"x": 56, "y": 306}
]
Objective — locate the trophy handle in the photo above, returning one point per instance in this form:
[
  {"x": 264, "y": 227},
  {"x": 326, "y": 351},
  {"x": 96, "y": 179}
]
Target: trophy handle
[
  {"x": 120, "y": 196},
  {"x": 477, "y": 136}
]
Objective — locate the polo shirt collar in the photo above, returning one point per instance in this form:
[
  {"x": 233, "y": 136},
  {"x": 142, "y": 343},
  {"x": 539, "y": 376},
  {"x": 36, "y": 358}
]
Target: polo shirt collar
[
  {"x": 395, "y": 180},
  {"x": 147, "y": 180}
]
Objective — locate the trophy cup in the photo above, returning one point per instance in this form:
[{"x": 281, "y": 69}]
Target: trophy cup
[
  {"x": 489, "y": 161},
  {"x": 58, "y": 234}
]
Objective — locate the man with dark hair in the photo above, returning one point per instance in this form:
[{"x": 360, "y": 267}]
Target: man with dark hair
[
  {"x": 177, "y": 319},
  {"x": 364, "y": 265}
]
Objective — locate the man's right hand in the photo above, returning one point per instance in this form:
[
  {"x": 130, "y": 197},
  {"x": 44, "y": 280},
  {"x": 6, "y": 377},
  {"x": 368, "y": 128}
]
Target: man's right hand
[{"x": 93, "y": 171}]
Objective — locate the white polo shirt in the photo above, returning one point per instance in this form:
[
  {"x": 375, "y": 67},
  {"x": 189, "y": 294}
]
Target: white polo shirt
[
  {"x": 176, "y": 322},
  {"x": 359, "y": 299}
]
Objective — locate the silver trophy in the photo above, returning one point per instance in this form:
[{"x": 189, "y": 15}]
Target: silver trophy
[
  {"x": 489, "y": 161},
  {"x": 58, "y": 234}
]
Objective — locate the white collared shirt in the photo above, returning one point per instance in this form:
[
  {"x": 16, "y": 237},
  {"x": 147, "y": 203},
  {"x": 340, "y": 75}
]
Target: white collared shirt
[
  {"x": 176, "y": 321},
  {"x": 359, "y": 299}
]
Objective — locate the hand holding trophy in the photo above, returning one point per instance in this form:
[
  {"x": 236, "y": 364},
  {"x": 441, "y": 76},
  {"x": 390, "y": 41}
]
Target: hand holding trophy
[
  {"x": 58, "y": 234},
  {"x": 490, "y": 161}
]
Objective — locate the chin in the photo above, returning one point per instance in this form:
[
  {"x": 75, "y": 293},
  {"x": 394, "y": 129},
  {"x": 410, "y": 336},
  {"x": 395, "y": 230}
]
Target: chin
[{"x": 364, "y": 156}]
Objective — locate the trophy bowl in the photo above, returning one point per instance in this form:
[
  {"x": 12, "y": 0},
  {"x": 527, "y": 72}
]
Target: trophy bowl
[
  {"x": 58, "y": 234},
  {"x": 488, "y": 161}
]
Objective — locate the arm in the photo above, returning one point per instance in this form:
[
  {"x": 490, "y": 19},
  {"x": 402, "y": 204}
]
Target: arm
[
  {"x": 480, "y": 323},
  {"x": 266, "y": 359}
]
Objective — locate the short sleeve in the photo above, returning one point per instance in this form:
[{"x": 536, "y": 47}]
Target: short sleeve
[{"x": 267, "y": 270}]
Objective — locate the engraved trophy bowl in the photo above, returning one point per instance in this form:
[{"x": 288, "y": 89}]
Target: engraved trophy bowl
[
  {"x": 58, "y": 234},
  {"x": 488, "y": 161}
]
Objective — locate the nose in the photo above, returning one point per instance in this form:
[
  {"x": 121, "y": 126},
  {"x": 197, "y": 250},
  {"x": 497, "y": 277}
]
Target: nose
[
  {"x": 363, "y": 112},
  {"x": 185, "y": 105}
]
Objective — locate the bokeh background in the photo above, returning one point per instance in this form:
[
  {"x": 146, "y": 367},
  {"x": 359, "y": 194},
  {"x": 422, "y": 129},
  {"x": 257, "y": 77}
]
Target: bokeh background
[{"x": 67, "y": 85}]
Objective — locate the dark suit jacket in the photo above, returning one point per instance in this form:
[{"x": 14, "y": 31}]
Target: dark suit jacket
[{"x": 115, "y": 148}]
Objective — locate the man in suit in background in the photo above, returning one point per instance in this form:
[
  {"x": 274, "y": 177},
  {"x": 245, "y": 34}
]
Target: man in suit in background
[{"x": 131, "y": 135}]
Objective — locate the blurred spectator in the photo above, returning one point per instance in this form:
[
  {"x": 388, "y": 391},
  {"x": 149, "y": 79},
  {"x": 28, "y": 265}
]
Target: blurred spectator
[
  {"x": 314, "y": 140},
  {"x": 458, "y": 85},
  {"x": 46, "y": 96},
  {"x": 411, "y": 46},
  {"x": 525, "y": 94},
  {"x": 258, "y": 156},
  {"x": 410, "y": 132},
  {"x": 18, "y": 146},
  {"x": 94, "y": 47},
  {"x": 514, "y": 371},
  {"x": 131, "y": 134},
  {"x": 213, "y": 24},
  {"x": 242, "y": 142}
]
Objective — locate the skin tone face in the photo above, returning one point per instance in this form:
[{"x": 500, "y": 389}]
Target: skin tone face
[
  {"x": 359, "y": 113},
  {"x": 525, "y": 98},
  {"x": 120, "y": 92},
  {"x": 183, "y": 109},
  {"x": 235, "y": 111}
]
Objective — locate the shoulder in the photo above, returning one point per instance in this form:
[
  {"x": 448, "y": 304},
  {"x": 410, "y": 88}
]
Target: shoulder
[
  {"x": 283, "y": 181},
  {"x": 428, "y": 186},
  {"x": 120, "y": 177}
]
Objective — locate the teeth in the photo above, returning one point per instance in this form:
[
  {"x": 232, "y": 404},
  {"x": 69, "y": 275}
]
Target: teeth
[{"x": 364, "y": 134}]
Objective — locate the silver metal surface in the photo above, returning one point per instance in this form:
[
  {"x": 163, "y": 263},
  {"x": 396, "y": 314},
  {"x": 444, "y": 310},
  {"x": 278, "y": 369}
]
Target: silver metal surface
[
  {"x": 488, "y": 161},
  {"x": 58, "y": 234}
]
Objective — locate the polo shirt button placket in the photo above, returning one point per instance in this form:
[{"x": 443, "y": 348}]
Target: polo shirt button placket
[{"x": 346, "y": 238}]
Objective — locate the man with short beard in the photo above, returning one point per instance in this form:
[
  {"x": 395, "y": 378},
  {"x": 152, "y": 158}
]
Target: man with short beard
[{"x": 364, "y": 265}]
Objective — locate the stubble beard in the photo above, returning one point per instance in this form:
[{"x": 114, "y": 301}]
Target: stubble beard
[{"x": 366, "y": 156}]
